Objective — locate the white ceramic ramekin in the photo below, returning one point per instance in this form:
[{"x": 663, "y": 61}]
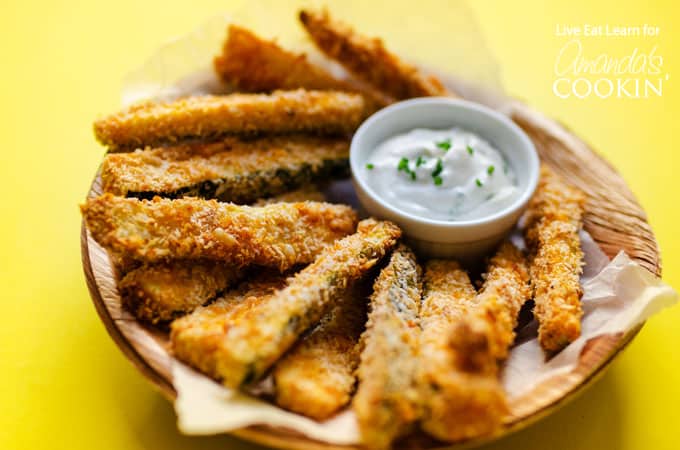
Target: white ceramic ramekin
[{"x": 466, "y": 240}]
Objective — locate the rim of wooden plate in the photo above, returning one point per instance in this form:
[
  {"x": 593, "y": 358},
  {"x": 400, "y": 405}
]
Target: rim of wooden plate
[{"x": 613, "y": 218}]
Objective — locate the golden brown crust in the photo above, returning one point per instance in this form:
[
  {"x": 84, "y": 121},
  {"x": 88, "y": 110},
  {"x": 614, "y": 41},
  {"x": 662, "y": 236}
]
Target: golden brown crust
[
  {"x": 253, "y": 64},
  {"x": 386, "y": 402},
  {"x": 316, "y": 377},
  {"x": 281, "y": 112},
  {"x": 161, "y": 292},
  {"x": 197, "y": 338},
  {"x": 281, "y": 235},
  {"x": 246, "y": 352},
  {"x": 554, "y": 218},
  {"x": 235, "y": 170},
  {"x": 368, "y": 59},
  {"x": 506, "y": 288},
  {"x": 250, "y": 63},
  {"x": 458, "y": 373}
]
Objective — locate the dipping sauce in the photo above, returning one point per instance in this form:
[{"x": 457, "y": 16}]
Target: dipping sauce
[{"x": 441, "y": 174}]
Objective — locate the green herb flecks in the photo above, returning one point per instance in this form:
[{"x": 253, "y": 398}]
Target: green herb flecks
[
  {"x": 444, "y": 145},
  {"x": 470, "y": 150},
  {"x": 490, "y": 170},
  {"x": 438, "y": 168},
  {"x": 403, "y": 167},
  {"x": 479, "y": 183},
  {"x": 403, "y": 164},
  {"x": 370, "y": 166},
  {"x": 420, "y": 161},
  {"x": 437, "y": 172}
]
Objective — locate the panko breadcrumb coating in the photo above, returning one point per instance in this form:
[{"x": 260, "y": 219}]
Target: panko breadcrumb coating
[
  {"x": 282, "y": 112},
  {"x": 197, "y": 338},
  {"x": 506, "y": 288},
  {"x": 458, "y": 374},
  {"x": 250, "y": 63},
  {"x": 280, "y": 235},
  {"x": 164, "y": 291},
  {"x": 233, "y": 170},
  {"x": 386, "y": 402},
  {"x": 316, "y": 377},
  {"x": 368, "y": 59},
  {"x": 161, "y": 292},
  {"x": 553, "y": 221},
  {"x": 263, "y": 334}
]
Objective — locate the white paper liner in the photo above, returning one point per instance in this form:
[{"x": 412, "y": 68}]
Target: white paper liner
[{"x": 617, "y": 295}]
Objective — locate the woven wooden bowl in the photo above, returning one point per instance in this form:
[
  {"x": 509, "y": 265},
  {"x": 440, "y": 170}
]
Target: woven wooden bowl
[{"x": 613, "y": 218}]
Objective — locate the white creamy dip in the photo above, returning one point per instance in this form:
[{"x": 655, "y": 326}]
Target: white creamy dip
[{"x": 441, "y": 174}]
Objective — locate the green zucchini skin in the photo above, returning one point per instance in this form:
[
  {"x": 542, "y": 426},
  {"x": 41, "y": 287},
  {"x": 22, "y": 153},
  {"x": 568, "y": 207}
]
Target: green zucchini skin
[{"x": 248, "y": 187}]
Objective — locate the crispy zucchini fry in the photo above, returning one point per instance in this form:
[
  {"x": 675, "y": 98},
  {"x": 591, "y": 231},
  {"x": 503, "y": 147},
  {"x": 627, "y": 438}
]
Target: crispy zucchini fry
[
  {"x": 250, "y": 63},
  {"x": 554, "y": 218},
  {"x": 282, "y": 112},
  {"x": 506, "y": 288},
  {"x": 458, "y": 374},
  {"x": 263, "y": 334},
  {"x": 161, "y": 292},
  {"x": 386, "y": 402},
  {"x": 281, "y": 235},
  {"x": 368, "y": 59},
  {"x": 198, "y": 338},
  {"x": 164, "y": 291},
  {"x": 316, "y": 377},
  {"x": 232, "y": 170}
]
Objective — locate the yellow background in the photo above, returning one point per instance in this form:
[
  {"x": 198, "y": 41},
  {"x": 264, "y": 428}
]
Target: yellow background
[{"x": 64, "y": 384}]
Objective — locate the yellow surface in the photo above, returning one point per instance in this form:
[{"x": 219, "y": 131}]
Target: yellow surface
[{"x": 64, "y": 384}]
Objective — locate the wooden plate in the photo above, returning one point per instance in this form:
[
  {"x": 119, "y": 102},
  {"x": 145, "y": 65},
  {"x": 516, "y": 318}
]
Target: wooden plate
[{"x": 613, "y": 218}]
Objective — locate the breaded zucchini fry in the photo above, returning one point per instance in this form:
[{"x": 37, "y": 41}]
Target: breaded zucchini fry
[
  {"x": 281, "y": 235},
  {"x": 232, "y": 170},
  {"x": 386, "y": 402},
  {"x": 263, "y": 334},
  {"x": 281, "y": 112},
  {"x": 250, "y": 63},
  {"x": 161, "y": 292},
  {"x": 368, "y": 59},
  {"x": 458, "y": 374},
  {"x": 308, "y": 193},
  {"x": 506, "y": 288},
  {"x": 554, "y": 218},
  {"x": 197, "y": 338},
  {"x": 316, "y": 377}
]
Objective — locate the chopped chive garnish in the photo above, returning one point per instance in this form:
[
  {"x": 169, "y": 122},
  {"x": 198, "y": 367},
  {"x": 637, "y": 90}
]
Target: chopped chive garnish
[
  {"x": 403, "y": 167},
  {"x": 420, "y": 161},
  {"x": 403, "y": 164},
  {"x": 479, "y": 183},
  {"x": 370, "y": 166},
  {"x": 438, "y": 180},
  {"x": 470, "y": 150},
  {"x": 444, "y": 145},
  {"x": 438, "y": 168},
  {"x": 490, "y": 170}
]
